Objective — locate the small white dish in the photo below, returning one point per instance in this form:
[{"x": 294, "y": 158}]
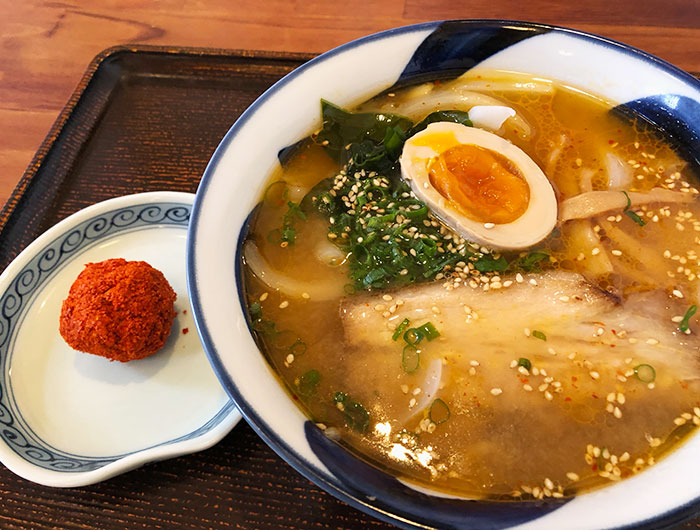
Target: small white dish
[{"x": 69, "y": 418}]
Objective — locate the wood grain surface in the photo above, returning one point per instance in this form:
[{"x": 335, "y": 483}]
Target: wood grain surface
[
  {"x": 46, "y": 45},
  {"x": 45, "y": 48}
]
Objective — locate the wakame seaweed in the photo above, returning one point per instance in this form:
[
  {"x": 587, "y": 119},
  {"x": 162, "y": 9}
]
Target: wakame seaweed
[{"x": 391, "y": 238}]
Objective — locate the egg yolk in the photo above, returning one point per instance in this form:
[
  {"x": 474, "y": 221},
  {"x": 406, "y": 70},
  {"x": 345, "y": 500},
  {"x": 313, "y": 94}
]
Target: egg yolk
[{"x": 481, "y": 184}]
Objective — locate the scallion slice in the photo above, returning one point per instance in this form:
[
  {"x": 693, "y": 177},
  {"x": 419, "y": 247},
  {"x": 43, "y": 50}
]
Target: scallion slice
[
  {"x": 356, "y": 416},
  {"x": 632, "y": 215},
  {"x": 429, "y": 331},
  {"x": 685, "y": 323},
  {"x": 525, "y": 363},
  {"x": 298, "y": 348},
  {"x": 439, "y": 412},
  {"x": 539, "y": 335},
  {"x": 645, "y": 373},
  {"x": 410, "y": 359},
  {"x": 400, "y": 329},
  {"x": 308, "y": 382},
  {"x": 413, "y": 336}
]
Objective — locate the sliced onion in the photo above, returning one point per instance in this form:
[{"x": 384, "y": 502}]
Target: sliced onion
[{"x": 327, "y": 289}]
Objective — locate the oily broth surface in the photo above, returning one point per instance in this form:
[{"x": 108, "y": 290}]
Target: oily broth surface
[{"x": 490, "y": 446}]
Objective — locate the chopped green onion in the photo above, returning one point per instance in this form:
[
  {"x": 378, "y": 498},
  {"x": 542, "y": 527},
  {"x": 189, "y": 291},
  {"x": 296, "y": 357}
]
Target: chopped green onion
[
  {"x": 356, "y": 416},
  {"x": 298, "y": 348},
  {"x": 645, "y": 373},
  {"x": 632, "y": 215},
  {"x": 429, "y": 331},
  {"x": 284, "y": 339},
  {"x": 413, "y": 336},
  {"x": 340, "y": 397},
  {"x": 539, "y": 335},
  {"x": 410, "y": 359},
  {"x": 308, "y": 382},
  {"x": 255, "y": 310},
  {"x": 525, "y": 363},
  {"x": 439, "y": 412},
  {"x": 399, "y": 329},
  {"x": 276, "y": 193},
  {"x": 349, "y": 288},
  {"x": 685, "y": 323}
]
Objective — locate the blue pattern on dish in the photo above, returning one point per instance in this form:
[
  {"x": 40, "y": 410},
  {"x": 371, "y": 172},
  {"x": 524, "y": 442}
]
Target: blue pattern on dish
[{"x": 14, "y": 430}]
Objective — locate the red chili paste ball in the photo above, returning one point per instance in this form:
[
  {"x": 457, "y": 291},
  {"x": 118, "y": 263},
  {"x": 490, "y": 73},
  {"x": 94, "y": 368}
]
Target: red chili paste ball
[{"x": 119, "y": 309}]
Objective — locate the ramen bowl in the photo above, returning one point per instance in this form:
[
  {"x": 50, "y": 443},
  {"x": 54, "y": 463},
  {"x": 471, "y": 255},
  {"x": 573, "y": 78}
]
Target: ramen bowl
[{"x": 639, "y": 84}]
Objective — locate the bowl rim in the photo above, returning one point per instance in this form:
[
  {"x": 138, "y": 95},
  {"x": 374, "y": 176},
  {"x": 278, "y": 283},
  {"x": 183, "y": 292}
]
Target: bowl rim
[{"x": 262, "y": 428}]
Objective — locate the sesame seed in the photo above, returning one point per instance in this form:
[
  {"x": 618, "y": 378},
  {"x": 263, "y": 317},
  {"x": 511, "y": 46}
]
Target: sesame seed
[
  {"x": 533, "y": 281},
  {"x": 306, "y": 296},
  {"x": 284, "y": 304},
  {"x": 519, "y": 278},
  {"x": 527, "y": 332},
  {"x": 616, "y": 252},
  {"x": 387, "y": 297},
  {"x": 527, "y": 387},
  {"x": 594, "y": 375},
  {"x": 564, "y": 298},
  {"x": 290, "y": 358},
  {"x": 548, "y": 396},
  {"x": 617, "y": 413},
  {"x": 496, "y": 391},
  {"x": 595, "y": 251},
  {"x": 677, "y": 293},
  {"x": 379, "y": 307},
  {"x": 652, "y": 341},
  {"x": 572, "y": 476},
  {"x": 412, "y": 403},
  {"x": 474, "y": 363},
  {"x": 548, "y": 484}
]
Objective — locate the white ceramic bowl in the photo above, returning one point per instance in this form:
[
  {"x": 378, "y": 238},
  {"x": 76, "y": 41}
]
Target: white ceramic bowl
[
  {"x": 70, "y": 419},
  {"x": 233, "y": 182}
]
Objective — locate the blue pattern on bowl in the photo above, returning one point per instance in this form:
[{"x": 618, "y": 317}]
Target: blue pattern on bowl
[{"x": 344, "y": 475}]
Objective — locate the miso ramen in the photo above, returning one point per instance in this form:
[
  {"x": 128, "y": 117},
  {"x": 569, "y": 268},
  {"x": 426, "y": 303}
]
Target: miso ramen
[{"x": 486, "y": 286}]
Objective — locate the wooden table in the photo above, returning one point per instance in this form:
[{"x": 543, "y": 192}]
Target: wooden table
[{"x": 46, "y": 46}]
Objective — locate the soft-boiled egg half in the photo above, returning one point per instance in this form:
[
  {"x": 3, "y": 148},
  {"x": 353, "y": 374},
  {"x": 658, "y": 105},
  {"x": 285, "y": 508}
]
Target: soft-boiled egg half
[{"x": 480, "y": 185}]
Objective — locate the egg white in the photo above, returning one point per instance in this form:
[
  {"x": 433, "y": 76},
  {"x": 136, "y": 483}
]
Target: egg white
[{"x": 535, "y": 224}]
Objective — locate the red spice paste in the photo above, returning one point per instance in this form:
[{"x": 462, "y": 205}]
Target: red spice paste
[{"x": 119, "y": 309}]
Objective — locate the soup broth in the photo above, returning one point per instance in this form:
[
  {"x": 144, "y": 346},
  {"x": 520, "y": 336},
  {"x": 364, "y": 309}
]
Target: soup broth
[{"x": 530, "y": 373}]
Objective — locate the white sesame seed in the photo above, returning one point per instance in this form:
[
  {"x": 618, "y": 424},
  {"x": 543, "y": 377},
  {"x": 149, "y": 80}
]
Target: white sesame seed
[
  {"x": 404, "y": 389},
  {"x": 595, "y": 251},
  {"x": 474, "y": 363},
  {"x": 652, "y": 341},
  {"x": 284, "y": 304},
  {"x": 496, "y": 391},
  {"x": 594, "y": 375},
  {"x": 527, "y": 332},
  {"x": 548, "y": 396},
  {"x": 527, "y": 387},
  {"x": 519, "y": 278},
  {"x": 677, "y": 293},
  {"x": 617, "y": 413},
  {"x": 533, "y": 281},
  {"x": 616, "y": 252},
  {"x": 572, "y": 476},
  {"x": 263, "y": 297},
  {"x": 387, "y": 297},
  {"x": 306, "y": 296}
]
